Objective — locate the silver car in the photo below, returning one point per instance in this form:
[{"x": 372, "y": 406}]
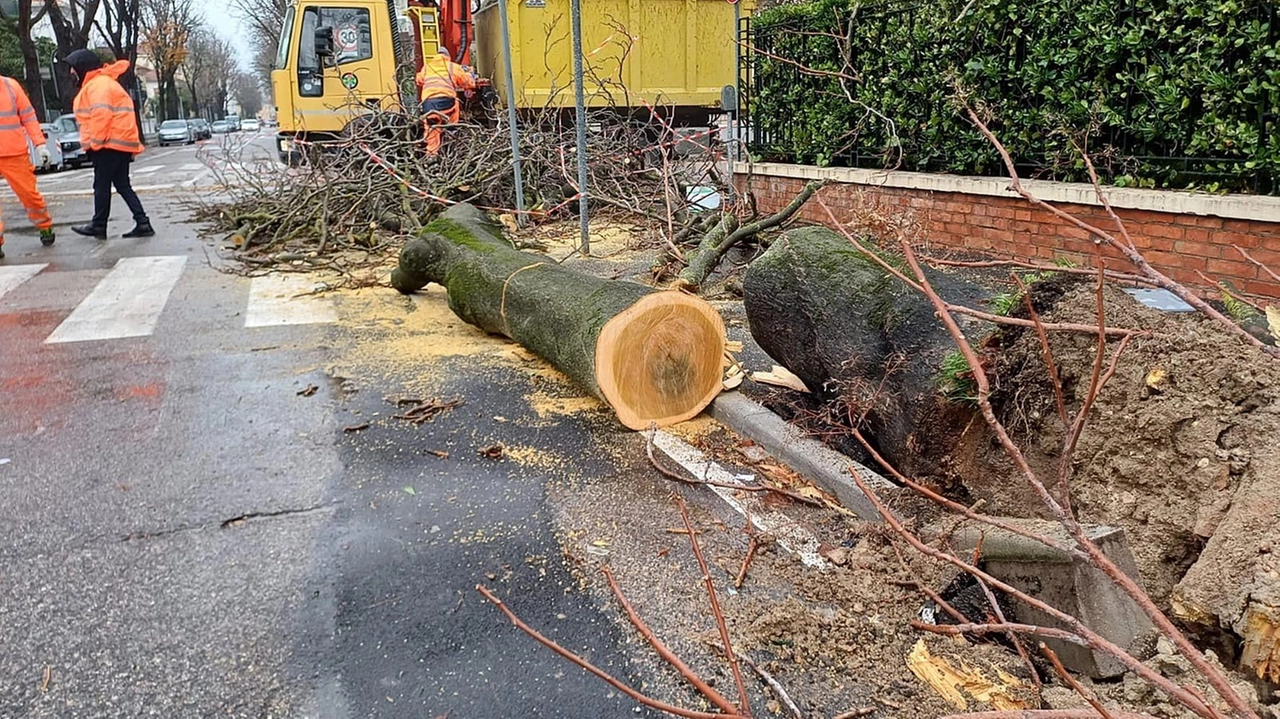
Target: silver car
[{"x": 175, "y": 132}]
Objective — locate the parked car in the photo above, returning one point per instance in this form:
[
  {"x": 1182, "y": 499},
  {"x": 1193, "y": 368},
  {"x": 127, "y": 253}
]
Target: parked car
[
  {"x": 176, "y": 132},
  {"x": 73, "y": 154},
  {"x": 202, "y": 128},
  {"x": 220, "y": 127},
  {"x": 53, "y": 141},
  {"x": 250, "y": 125},
  {"x": 234, "y": 122}
]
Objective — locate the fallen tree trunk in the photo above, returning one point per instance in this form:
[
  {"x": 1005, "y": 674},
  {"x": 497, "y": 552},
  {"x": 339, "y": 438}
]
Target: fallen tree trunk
[
  {"x": 850, "y": 331},
  {"x": 655, "y": 357}
]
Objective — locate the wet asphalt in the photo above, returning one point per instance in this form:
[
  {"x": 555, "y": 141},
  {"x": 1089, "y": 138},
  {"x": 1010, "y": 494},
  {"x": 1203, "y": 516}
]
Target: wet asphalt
[{"x": 183, "y": 535}]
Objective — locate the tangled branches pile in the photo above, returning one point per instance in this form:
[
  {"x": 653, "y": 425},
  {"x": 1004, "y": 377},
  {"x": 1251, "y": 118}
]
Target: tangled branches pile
[{"x": 364, "y": 190}]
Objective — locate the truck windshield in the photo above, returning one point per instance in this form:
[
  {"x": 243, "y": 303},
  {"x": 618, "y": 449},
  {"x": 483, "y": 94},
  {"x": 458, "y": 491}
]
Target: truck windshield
[{"x": 286, "y": 34}]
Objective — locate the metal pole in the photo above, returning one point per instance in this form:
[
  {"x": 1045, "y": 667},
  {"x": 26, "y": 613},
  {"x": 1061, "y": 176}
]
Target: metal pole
[
  {"x": 511, "y": 111},
  {"x": 581, "y": 113}
]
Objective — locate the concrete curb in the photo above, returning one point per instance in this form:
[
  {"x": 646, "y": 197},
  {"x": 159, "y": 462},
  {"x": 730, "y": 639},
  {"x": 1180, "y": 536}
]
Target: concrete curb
[{"x": 814, "y": 460}]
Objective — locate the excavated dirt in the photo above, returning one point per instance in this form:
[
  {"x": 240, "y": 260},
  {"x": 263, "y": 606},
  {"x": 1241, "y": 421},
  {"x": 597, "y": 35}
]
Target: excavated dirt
[{"x": 1191, "y": 416}]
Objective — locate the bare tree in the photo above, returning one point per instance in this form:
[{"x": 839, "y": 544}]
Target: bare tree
[
  {"x": 117, "y": 25},
  {"x": 248, "y": 93},
  {"x": 72, "y": 21},
  {"x": 167, "y": 27},
  {"x": 21, "y": 23},
  {"x": 209, "y": 69},
  {"x": 264, "y": 18}
]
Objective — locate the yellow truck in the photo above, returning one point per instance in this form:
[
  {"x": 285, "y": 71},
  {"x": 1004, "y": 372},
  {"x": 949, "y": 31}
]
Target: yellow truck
[{"x": 340, "y": 58}]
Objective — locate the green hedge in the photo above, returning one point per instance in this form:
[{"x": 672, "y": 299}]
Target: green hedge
[{"x": 1172, "y": 93}]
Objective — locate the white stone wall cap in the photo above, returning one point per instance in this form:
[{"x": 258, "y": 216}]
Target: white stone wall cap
[{"x": 1262, "y": 208}]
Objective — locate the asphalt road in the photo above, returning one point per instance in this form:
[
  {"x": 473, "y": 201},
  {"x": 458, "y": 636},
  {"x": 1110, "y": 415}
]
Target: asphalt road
[{"x": 183, "y": 535}]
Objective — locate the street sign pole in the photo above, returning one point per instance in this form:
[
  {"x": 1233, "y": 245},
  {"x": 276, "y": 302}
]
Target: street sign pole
[
  {"x": 580, "y": 110},
  {"x": 514, "y": 131}
]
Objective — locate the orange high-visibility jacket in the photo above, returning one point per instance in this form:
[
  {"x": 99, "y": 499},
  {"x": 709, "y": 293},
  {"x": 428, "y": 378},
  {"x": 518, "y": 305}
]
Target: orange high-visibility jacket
[
  {"x": 104, "y": 112},
  {"x": 442, "y": 77},
  {"x": 17, "y": 120}
]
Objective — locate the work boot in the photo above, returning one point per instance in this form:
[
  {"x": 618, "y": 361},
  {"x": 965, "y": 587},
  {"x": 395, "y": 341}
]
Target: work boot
[
  {"x": 142, "y": 229},
  {"x": 47, "y": 236},
  {"x": 90, "y": 231}
]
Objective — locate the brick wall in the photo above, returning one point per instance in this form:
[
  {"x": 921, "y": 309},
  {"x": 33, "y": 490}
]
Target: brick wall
[{"x": 1180, "y": 245}]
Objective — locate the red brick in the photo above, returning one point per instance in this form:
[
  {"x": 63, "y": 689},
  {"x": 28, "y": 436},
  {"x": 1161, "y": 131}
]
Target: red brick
[
  {"x": 1260, "y": 287},
  {"x": 1196, "y": 234},
  {"x": 1022, "y": 215},
  {"x": 1232, "y": 269},
  {"x": 1247, "y": 241},
  {"x": 1214, "y": 222},
  {"x": 1200, "y": 249},
  {"x": 1239, "y": 225},
  {"x": 1270, "y": 257},
  {"x": 1173, "y": 232}
]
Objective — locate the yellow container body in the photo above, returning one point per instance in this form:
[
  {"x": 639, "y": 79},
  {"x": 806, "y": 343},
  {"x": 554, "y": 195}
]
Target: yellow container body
[{"x": 661, "y": 52}]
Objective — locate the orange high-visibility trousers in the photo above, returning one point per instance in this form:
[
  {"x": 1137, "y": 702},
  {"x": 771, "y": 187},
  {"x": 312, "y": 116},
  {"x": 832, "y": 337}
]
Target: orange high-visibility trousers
[{"x": 21, "y": 176}]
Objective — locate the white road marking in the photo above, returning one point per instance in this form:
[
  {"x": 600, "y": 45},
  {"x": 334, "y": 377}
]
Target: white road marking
[
  {"x": 276, "y": 300},
  {"x": 198, "y": 178},
  {"x": 13, "y": 275},
  {"x": 148, "y": 169},
  {"x": 126, "y": 303},
  {"x": 791, "y": 536},
  {"x": 192, "y": 167}
]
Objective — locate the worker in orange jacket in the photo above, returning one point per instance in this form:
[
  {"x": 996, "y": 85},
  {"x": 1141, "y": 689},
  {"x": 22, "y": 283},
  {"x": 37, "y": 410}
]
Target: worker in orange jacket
[
  {"x": 109, "y": 135},
  {"x": 18, "y": 126},
  {"x": 439, "y": 82}
]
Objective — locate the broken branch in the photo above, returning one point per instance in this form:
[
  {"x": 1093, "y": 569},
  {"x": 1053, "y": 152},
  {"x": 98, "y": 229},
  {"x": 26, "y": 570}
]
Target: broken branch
[
  {"x": 707, "y": 691},
  {"x": 588, "y": 666}
]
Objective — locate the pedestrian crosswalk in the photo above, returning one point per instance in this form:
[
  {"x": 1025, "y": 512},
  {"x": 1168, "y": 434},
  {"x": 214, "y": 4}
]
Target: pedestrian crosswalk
[{"x": 131, "y": 299}]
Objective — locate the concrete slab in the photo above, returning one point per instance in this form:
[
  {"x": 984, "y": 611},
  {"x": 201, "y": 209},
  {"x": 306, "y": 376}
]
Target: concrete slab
[
  {"x": 1067, "y": 584},
  {"x": 814, "y": 460}
]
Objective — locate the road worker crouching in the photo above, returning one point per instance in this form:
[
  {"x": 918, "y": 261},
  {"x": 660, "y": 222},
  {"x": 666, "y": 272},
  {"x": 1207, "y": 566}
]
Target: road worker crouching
[{"x": 439, "y": 82}]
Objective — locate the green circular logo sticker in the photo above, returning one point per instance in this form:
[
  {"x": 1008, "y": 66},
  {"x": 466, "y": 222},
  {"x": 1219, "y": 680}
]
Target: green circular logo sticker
[{"x": 350, "y": 81}]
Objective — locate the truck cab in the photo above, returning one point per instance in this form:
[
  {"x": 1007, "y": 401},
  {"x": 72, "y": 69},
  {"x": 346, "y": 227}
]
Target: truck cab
[
  {"x": 338, "y": 59},
  {"x": 334, "y": 60}
]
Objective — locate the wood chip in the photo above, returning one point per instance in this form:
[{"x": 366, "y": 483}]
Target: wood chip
[
  {"x": 952, "y": 684},
  {"x": 780, "y": 377},
  {"x": 308, "y": 391},
  {"x": 356, "y": 428},
  {"x": 733, "y": 346},
  {"x": 493, "y": 451}
]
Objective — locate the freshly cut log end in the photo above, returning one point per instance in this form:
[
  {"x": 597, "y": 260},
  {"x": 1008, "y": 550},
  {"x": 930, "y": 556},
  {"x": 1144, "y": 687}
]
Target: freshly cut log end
[
  {"x": 661, "y": 360},
  {"x": 655, "y": 357}
]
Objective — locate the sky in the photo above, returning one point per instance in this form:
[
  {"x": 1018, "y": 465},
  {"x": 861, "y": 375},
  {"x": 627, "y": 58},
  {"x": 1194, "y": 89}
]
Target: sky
[{"x": 230, "y": 27}]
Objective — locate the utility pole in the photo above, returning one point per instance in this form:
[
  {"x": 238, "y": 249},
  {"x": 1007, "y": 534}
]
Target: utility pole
[
  {"x": 581, "y": 113},
  {"x": 511, "y": 111}
]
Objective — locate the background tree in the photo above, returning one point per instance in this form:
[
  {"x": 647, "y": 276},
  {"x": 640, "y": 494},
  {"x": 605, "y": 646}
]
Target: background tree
[
  {"x": 264, "y": 19},
  {"x": 208, "y": 71},
  {"x": 118, "y": 27},
  {"x": 72, "y": 21},
  {"x": 248, "y": 93},
  {"x": 166, "y": 29},
  {"x": 21, "y": 56}
]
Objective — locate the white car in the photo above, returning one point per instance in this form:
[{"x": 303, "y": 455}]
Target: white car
[
  {"x": 250, "y": 125},
  {"x": 52, "y": 141}
]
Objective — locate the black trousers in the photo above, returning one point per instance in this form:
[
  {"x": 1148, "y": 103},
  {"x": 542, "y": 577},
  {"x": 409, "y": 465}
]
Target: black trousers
[{"x": 111, "y": 167}]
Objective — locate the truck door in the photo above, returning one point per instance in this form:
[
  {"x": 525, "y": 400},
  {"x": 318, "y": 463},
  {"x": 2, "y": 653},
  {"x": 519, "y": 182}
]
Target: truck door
[{"x": 330, "y": 93}]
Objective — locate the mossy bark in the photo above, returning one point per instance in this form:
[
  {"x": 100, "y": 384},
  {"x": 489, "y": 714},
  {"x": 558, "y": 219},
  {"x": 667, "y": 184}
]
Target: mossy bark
[
  {"x": 656, "y": 357},
  {"x": 851, "y": 331},
  {"x": 555, "y": 312}
]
